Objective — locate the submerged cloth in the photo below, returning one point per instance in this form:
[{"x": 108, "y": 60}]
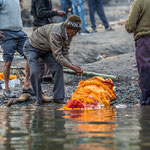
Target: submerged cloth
[
  {"x": 92, "y": 93},
  {"x": 42, "y": 12},
  {"x": 139, "y": 19},
  {"x": 10, "y": 15},
  {"x": 53, "y": 38},
  {"x": 143, "y": 64}
]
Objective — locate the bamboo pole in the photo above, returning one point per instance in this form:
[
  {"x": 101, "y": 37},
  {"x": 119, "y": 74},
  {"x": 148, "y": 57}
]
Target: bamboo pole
[
  {"x": 92, "y": 74},
  {"x": 86, "y": 73}
]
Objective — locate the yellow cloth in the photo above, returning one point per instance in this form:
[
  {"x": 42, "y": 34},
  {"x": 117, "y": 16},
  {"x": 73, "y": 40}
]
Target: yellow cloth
[
  {"x": 93, "y": 90},
  {"x": 11, "y": 77}
]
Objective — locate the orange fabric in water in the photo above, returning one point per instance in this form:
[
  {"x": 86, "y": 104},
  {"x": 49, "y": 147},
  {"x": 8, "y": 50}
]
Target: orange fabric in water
[
  {"x": 11, "y": 77},
  {"x": 91, "y": 92}
]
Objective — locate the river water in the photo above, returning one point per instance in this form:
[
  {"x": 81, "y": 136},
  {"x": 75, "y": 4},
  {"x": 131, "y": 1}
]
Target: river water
[{"x": 46, "y": 128}]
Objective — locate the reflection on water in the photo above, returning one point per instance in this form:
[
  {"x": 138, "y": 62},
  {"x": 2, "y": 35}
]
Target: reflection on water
[{"x": 45, "y": 128}]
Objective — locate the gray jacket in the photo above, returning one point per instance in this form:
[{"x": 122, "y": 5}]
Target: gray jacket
[
  {"x": 53, "y": 37},
  {"x": 10, "y": 15}
]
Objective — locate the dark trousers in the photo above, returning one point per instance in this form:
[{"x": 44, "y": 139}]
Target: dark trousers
[
  {"x": 65, "y": 5},
  {"x": 143, "y": 64},
  {"x": 46, "y": 72},
  {"x": 33, "y": 56},
  {"x": 97, "y": 5}
]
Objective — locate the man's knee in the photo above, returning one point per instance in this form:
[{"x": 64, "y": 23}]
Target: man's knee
[{"x": 7, "y": 64}]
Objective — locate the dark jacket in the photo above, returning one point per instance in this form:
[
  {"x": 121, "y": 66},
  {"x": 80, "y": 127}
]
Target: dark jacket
[{"x": 42, "y": 12}]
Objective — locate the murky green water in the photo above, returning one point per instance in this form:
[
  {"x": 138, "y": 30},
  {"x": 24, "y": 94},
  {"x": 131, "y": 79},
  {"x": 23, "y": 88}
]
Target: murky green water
[{"x": 45, "y": 128}]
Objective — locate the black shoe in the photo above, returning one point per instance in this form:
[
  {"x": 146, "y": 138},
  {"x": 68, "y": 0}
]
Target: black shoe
[
  {"x": 30, "y": 91},
  {"x": 59, "y": 101}
]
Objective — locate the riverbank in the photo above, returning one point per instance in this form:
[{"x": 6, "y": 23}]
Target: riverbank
[{"x": 105, "y": 52}]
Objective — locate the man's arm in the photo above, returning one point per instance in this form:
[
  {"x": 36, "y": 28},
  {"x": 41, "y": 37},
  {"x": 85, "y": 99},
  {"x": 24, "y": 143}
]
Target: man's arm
[
  {"x": 56, "y": 47},
  {"x": 43, "y": 12},
  {"x": 57, "y": 50},
  {"x": 131, "y": 23},
  {"x": 66, "y": 50}
]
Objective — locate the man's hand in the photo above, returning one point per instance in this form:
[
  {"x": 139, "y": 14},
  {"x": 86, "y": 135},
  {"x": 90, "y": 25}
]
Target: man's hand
[
  {"x": 77, "y": 69},
  {"x": 61, "y": 13},
  {"x": 1, "y": 34}
]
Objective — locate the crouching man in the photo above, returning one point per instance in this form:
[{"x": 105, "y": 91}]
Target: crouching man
[{"x": 51, "y": 43}]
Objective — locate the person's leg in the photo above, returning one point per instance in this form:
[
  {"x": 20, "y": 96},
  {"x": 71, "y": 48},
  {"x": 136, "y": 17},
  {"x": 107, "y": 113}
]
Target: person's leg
[
  {"x": 22, "y": 37},
  {"x": 143, "y": 64},
  {"x": 92, "y": 7},
  {"x": 6, "y": 72},
  {"x": 64, "y": 7},
  {"x": 74, "y": 7},
  {"x": 80, "y": 7},
  {"x": 46, "y": 73},
  {"x": 69, "y": 6},
  {"x": 8, "y": 47},
  {"x": 26, "y": 84},
  {"x": 101, "y": 13},
  {"x": 35, "y": 72},
  {"x": 57, "y": 74}
]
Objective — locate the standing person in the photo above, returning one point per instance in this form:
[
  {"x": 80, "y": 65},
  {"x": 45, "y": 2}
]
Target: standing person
[
  {"x": 51, "y": 43},
  {"x": 65, "y": 6},
  {"x": 138, "y": 23},
  {"x": 78, "y": 9},
  {"x": 43, "y": 14},
  {"x": 97, "y": 5},
  {"x": 13, "y": 39}
]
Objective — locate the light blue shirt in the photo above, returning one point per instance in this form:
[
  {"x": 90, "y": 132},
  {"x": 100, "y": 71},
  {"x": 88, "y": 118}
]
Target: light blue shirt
[{"x": 10, "y": 15}]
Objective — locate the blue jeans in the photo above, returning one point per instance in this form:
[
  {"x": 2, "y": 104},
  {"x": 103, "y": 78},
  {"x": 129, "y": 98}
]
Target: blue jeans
[
  {"x": 65, "y": 5},
  {"x": 97, "y": 5},
  {"x": 11, "y": 42},
  {"x": 78, "y": 9}
]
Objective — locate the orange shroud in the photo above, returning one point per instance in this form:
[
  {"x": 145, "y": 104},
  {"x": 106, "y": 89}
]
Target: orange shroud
[
  {"x": 91, "y": 93},
  {"x": 11, "y": 77}
]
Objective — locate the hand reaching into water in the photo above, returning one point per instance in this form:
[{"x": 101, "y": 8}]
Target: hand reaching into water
[{"x": 77, "y": 68}]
